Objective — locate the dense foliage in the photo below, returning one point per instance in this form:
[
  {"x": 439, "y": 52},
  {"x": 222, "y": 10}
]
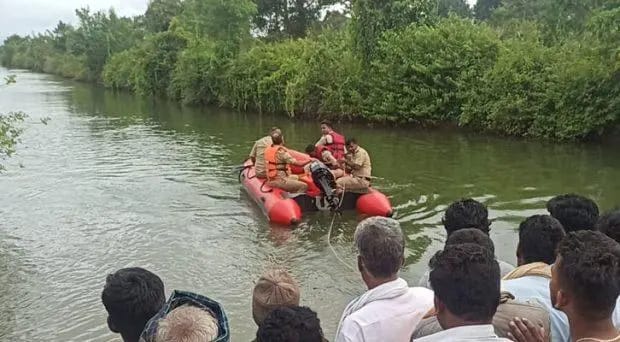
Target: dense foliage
[
  {"x": 539, "y": 68},
  {"x": 10, "y": 129}
]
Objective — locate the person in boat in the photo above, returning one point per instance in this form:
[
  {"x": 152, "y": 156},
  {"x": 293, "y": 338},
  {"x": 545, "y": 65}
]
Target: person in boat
[
  {"x": 332, "y": 140},
  {"x": 277, "y": 160},
  {"x": 324, "y": 155},
  {"x": 357, "y": 163},
  {"x": 257, "y": 154}
]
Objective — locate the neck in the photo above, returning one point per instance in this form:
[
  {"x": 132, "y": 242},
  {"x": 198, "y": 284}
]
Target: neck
[
  {"x": 372, "y": 282},
  {"x": 585, "y": 327}
]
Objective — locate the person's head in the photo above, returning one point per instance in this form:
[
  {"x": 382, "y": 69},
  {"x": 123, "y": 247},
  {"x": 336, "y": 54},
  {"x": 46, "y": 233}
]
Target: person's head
[
  {"x": 131, "y": 297},
  {"x": 585, "y": 279},
  {"x": 609, "y": 224},
  {"x": 471, "y": 235},
  {"x": 575, "y": 212},
  {"x": 291, "y": 324},
  {"x": 326, "y": 127},
  {"x": 466, "y": 213},
  {"x": 539, "y": 236},
  {"x": 310, "y": 150},
  {"x": 466, "y": 281},
  {"x": 380, "y": 245},
  {"x": 275, "y": 130},
  {"x": 351, "y": 144},
  {"x": 187, "y": 324},
  {"x": 274, "y": 289},
  {"x": 277, "y": 138}
]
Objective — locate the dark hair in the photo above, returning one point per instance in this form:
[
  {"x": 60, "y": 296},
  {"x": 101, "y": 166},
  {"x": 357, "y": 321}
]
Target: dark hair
[
  {"x": 327, "y": 123},
  {"x": 471, "y": 235},
  {"x": 132, "y": 296},
  {"x": 609, "y": 224},
  {"x": 381, "y": 245},
  {"x": 350, "y": 141},
  {"x": 466, "y": 213},
  {"x": 466, "y": 279},
  {"x": 290, "y": 324},
  {"x": 539, "y": 236},
  {"x": 574, "y": 212},
  {"x": 277, "y": 139},
  {"x": 588, "y": 267},
  {"x": 310, "y": 149}
]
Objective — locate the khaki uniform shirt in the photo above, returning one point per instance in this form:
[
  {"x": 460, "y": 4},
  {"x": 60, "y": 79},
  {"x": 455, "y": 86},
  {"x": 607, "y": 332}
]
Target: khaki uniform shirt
[
  {"x": 360, "y": 157},
  {"x": 283, "y": 157},
  {"x": 258, "y": 153}
]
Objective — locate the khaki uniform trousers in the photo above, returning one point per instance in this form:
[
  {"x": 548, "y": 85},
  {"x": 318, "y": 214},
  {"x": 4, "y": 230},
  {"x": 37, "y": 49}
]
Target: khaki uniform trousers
[
  {"x": 353, "y": 184},
  {"x": 289, "y": 184}
]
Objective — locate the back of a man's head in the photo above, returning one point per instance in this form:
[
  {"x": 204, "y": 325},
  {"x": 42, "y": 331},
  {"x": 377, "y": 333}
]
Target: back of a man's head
[
  {"x": 275, "y": 130},
  {"x": 609, "y": 224},
  {"x": 575, "y": 212},
  {"x": 291, "y": 324},
  {"x": 132, "y": 296},
  {"x": 277, "y": 138},
  {"x": 471, "y": 235},
  {"x": 466, "y": 213},
  {"x": 381, "y": 246},
  {"x": 187, "y": 324},
  {"x": 274, "y": 289},
  {"x": 588, "y": 271},
  {"x": 539, "y": 236},
  {"x": 466, "y": 281}
]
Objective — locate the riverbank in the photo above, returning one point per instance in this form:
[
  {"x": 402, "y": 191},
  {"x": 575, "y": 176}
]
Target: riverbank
[{"x": 515, "y": 77}]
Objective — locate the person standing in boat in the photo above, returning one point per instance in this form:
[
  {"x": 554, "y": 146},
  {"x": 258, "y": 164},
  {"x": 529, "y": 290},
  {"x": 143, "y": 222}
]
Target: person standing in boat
[
  {"x": 277, "y": 160},
  {"x": 257, "y": 155},
  {"x": 357, "y": 162},
  {"x": 333, "y": 141}
]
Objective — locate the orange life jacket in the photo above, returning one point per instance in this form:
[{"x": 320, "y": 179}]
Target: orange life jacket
[
  {"x": 337, "y": 145},
  {"x": 272, "y": 164}
]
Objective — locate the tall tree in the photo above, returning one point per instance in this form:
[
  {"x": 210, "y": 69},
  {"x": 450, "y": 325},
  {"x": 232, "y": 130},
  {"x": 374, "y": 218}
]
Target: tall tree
[
  {"x": 288, "y": 18},
  {"x": 457, "y": 7},
  {"x": 159, "y": 13},
  {"x": 372, "y": 17},
  {"x": 484, "y": 8}
]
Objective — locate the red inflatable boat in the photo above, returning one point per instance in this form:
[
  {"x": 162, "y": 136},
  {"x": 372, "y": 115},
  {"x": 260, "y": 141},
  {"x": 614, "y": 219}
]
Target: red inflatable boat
[{"x": 282, "y": 208}]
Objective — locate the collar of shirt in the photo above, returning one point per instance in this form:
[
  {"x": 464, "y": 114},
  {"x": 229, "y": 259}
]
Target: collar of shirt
[{"x": 465, "y": 333}]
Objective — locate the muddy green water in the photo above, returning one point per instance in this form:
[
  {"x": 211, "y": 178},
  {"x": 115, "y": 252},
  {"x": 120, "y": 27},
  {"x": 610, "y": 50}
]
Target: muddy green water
[{"x": 114, "y": 181}]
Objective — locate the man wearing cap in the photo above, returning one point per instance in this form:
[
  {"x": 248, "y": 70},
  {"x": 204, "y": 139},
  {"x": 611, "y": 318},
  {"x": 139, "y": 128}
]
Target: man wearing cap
[{"x": 274, "y": 289}]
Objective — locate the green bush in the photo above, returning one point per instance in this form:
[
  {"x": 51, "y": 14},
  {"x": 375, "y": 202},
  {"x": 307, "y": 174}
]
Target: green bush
[
  {"x": 424, "y": 73},
  {"x": 197, "y": 75},
  {"x": 120, "y": 71}
]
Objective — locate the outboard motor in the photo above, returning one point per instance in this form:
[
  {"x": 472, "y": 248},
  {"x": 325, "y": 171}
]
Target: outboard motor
[{"x": 326, "y": 182}]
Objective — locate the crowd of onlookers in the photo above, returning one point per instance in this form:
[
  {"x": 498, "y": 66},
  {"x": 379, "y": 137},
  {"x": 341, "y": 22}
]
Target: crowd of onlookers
[{"x": 564, "y": 288}]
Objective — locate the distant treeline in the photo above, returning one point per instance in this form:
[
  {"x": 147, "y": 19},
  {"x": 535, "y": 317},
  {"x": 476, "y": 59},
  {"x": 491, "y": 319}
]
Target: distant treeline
[{"x": 540, "y": 68}]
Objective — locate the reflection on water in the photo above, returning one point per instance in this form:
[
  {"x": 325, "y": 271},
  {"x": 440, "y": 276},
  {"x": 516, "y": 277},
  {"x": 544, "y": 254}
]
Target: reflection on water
[{"x": 115, "y": 181}]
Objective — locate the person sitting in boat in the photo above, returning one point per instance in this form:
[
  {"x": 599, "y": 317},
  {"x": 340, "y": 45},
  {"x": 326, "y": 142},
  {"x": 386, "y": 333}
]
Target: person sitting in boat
[
  {"x": 277, "y": 160},
  {"x": 335, "y": 142},
  {"x": 257, "y": 155},
  {"x": 357, "y": 162},
  {"x": 324, "y": 155}
]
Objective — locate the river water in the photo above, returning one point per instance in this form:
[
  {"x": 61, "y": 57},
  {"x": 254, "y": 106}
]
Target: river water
[{"x": 113, "y": 181}]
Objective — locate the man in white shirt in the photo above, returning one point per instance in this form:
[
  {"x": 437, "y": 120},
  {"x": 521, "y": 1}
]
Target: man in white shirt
[
  {"x": 539, "y": 237},
  {"x": 465, "y": 278},
  {"x": 390, "y": 310}
]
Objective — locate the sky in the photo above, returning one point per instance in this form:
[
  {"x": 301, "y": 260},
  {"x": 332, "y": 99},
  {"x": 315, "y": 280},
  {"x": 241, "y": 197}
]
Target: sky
[{"x": 27, "y": 16}]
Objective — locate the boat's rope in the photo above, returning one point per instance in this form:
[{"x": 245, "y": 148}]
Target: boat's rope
[{"x": 329, "y": 235}]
